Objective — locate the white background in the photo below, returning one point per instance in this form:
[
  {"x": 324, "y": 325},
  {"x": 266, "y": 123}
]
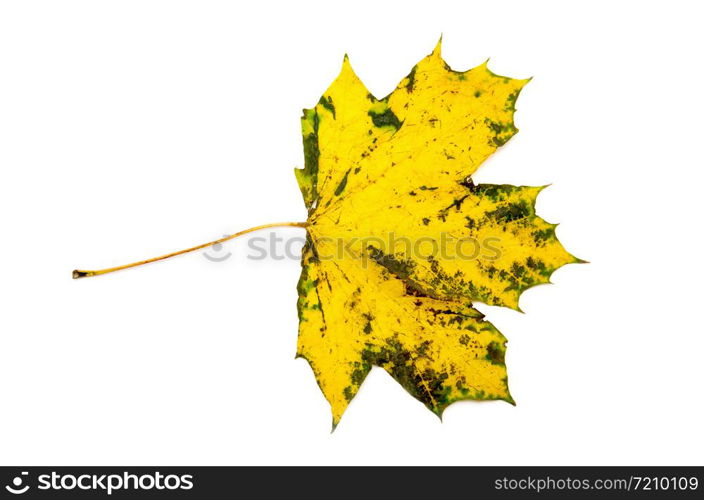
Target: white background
[{"x": 130, "y": 129}]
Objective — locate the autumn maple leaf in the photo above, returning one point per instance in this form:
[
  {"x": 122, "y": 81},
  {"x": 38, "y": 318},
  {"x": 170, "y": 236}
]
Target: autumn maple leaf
[
  {"x": 383, "y": 180},
  {"x": 382, "y": 175}
]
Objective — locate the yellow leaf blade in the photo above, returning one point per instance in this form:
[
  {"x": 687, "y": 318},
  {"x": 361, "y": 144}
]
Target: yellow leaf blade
[{"x": 401, "y": 242}]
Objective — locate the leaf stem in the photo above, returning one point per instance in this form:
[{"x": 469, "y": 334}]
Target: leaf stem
[{"x": 85, "y": 274}]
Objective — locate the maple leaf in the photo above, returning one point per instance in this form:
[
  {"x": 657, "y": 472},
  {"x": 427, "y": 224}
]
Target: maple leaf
[
  {"x": 382, "y": 175},
  {"x": 383, "y": 179}
]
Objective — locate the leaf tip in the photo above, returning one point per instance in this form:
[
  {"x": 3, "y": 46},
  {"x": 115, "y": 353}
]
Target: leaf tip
[
  {"x": 512, "y": 302},
  {"x": 437, "y": 51},
  {"x": 347, "y": 67},
  {"x": 518, "y": 82}
]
